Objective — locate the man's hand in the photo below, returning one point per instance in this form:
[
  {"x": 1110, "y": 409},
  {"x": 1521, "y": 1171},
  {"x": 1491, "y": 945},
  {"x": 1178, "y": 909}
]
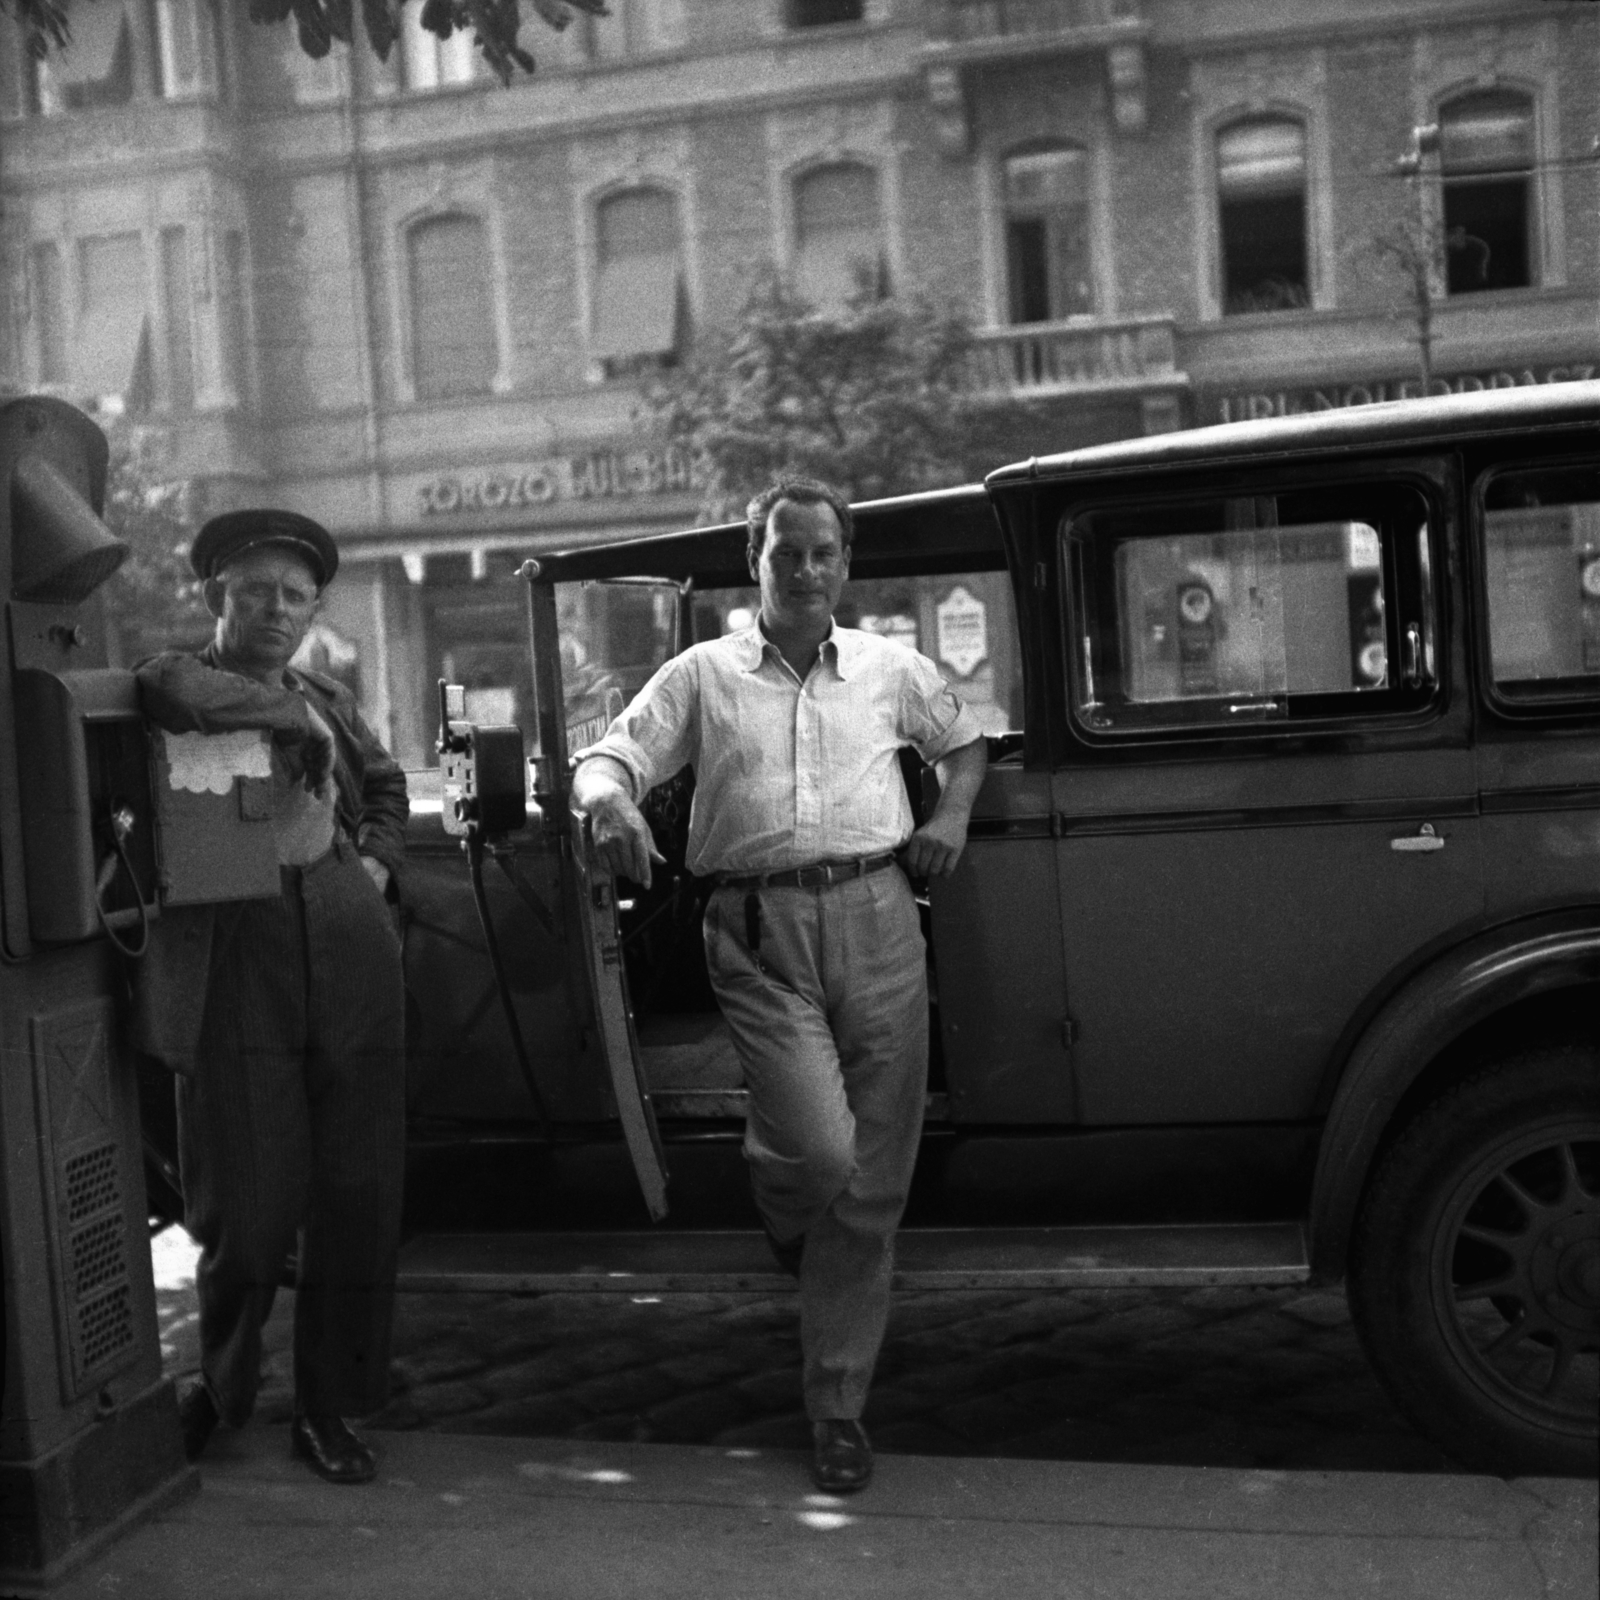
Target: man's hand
[
  {"x": 622, "y": 837},
  {"x": 933, "y": 850},
  {"x": 377, "y": 872}
]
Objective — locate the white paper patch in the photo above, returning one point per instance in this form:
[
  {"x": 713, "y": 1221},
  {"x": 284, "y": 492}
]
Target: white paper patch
[{"x": 207, "y": 763}]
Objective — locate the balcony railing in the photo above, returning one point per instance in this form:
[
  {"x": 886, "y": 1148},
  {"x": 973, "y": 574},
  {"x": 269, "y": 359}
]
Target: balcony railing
[
  {"x": 1051, "y": 358},
  {"x": 968, "y": 22}
]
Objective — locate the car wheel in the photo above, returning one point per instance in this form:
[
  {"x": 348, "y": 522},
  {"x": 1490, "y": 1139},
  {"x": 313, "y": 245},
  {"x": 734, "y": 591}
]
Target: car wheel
[{"x": 1475, "y": 1265}]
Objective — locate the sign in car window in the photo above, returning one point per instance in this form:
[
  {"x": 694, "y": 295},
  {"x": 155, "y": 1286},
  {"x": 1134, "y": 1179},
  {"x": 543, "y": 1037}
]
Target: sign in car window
[
  {"x": 1541, "y": 546},
  {"x": 1248, "y": 610}
]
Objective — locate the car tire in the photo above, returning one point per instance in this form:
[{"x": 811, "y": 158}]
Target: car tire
[{"x": 1475, "y": 1265}]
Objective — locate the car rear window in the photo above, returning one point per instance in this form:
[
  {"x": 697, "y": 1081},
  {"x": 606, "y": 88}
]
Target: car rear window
[
  {"x": 1541, "y": 567},
  {"x": 1239, "y": 611}
]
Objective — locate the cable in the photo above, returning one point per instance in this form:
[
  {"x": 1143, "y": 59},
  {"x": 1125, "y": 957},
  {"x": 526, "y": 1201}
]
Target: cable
[
  {"x": 122, "y": 820},
  {"x": 473, "y": 845}
]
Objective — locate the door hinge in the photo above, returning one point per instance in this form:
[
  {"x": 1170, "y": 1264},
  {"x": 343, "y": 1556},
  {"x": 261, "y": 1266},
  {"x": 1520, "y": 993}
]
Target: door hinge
[{"x": 1069, "y": 1032}]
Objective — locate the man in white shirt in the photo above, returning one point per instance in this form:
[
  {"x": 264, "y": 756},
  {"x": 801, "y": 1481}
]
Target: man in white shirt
[{"x": 813, "y": 941}]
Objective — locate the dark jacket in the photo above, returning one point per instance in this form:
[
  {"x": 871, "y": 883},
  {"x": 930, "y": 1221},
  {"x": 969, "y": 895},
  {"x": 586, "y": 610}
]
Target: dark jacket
[{"x": 185, "y": 693}]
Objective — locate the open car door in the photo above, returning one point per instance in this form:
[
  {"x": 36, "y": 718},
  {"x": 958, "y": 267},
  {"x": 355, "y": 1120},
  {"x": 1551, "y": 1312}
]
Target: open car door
[{"x": 595, "y": 646}]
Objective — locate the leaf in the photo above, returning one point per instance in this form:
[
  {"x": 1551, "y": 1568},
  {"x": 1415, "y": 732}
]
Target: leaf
[
  {"x": 315, "y": 37},
  {"x": 382, "y": 25}
]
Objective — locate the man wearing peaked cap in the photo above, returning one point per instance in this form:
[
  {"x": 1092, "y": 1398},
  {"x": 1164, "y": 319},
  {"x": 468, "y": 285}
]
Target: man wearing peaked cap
[
  {"x": 284, "y": 1018},
  {"x": 225, "y": 537}
]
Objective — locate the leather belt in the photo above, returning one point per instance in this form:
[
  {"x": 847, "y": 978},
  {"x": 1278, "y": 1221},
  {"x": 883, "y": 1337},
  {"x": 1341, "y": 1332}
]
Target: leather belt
[{"x": 818, "y": 876}]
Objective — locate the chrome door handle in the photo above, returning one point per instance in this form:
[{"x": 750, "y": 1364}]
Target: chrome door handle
[{"x": 1425, "y": 838}]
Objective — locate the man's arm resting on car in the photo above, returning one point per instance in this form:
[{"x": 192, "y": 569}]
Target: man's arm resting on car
[
  {"x": 935, "y": 848},
  {"x": 602, "y": 788}
]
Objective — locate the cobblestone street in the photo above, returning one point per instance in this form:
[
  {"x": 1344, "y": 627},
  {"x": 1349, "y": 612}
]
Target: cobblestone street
[{"x": 1254, "y": 1378}]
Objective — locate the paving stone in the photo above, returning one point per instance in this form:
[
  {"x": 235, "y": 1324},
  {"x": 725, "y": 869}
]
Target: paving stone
[
  {"x": 435, "y": 1363},
  {"x": 439, "y": 1402},
  {"x": 697, "y": 1418}
]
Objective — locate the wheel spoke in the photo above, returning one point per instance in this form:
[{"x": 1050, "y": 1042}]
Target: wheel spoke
[
  {"x": 1501, "y": 1239},
  {"x": 1506, "y": 1283},
  {"x": 1513, "y": 1332},
  {"x": 1571, "y": 1181},
  {"x": 1560, "y": 1364},
  {"x": 1531, "y": 1204}
]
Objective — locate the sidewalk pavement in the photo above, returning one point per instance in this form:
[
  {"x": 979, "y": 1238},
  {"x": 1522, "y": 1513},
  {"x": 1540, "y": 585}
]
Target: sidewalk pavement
[{"x": 510, "y": 1519}]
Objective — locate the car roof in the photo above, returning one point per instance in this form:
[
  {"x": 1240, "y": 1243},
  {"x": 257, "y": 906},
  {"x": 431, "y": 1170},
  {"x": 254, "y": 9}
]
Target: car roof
[
  {"x": 1390, "y": 422},
  {"x": 956, "y": 529},
  {"x": 943, "y": 529}
]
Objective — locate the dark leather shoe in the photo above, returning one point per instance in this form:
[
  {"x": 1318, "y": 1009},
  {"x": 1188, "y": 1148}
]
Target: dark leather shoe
[
  {"x": 787, "y": 1252},
  {"x": 197, "y": 1416},
  {"x": 842, "y": 1458},
  {"x": 331, "y": 1449}
]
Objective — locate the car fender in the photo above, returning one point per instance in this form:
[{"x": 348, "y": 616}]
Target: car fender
[{"x": 1451, "y": 994}]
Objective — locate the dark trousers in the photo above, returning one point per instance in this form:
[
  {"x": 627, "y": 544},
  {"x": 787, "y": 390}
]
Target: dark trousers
[{"x": 294, "y": 1121}]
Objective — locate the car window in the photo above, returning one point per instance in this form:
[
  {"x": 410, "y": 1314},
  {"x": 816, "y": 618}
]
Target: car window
[
  {"x": 1236, "y": 611},
  {"x": 613, "y": 636},
  {"x": 1541, "y": 565}
]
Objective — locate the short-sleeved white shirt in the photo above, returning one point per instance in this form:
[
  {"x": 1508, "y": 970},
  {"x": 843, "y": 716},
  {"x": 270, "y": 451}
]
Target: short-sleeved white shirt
[{"x": 788, "y": 773}]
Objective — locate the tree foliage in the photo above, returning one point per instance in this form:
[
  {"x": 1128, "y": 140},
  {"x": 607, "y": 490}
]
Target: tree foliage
[
  {"x": 496, "y": 24},
  {"x": 869, "y": 399},
  {"x": 153, "y": 601}
]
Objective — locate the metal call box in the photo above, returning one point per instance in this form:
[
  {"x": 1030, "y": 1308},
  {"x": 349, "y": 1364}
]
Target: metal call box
[{"x": 191, "y": 813}]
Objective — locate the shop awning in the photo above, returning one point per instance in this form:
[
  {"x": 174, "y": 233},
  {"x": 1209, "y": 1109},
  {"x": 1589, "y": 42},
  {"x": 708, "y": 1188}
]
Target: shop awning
[{"x": 636, "y": 307}]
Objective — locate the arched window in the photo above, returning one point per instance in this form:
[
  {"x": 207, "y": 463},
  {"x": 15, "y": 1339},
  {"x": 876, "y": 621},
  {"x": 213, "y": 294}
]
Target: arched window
[
  {"x": 638, "y": 295},
  {"x": 452, "y": 308},
  {"x": 429, "y": 62},
  {"x": 1261, "y": 213},
  {"x": 838, "y": 244},
  {"x": 1047, "y": 234},
  {"x": 1486, "y": 159}
]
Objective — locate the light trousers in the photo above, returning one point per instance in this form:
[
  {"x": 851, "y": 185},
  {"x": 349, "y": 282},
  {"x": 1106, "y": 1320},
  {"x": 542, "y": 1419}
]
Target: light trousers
[{"x": 829, "y": 1016}]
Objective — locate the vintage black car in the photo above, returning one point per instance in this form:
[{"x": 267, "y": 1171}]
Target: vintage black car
[{"x": 1274, "y": 956}]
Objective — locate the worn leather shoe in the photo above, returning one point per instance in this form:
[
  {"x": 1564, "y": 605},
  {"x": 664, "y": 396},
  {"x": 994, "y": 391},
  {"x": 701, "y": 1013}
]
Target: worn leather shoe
[
  {"x": 331, "y": 1449},
  {"x": 842, "y": 1459},
  {"x": 197, "y": 1416}
]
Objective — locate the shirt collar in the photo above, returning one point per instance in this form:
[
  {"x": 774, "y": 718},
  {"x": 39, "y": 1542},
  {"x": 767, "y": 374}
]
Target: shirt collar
[{"x": 752, "y": 645}]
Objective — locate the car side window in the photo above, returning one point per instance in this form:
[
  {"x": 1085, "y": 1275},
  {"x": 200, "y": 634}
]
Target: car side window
[
  {"x": 1540, "y": 529},
  {"x": 1224, "y": 614}
]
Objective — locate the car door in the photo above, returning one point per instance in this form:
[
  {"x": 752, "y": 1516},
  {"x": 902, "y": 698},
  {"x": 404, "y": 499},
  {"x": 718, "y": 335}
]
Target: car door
[
  {"x": 595, "y": 646},
  {"x": 1268, "y": 807},
  {"x": 1536, "y": 548}
]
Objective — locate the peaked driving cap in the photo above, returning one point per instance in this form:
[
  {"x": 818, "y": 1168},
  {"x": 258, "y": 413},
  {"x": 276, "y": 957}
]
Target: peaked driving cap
[{"x": 224, "y": 537}]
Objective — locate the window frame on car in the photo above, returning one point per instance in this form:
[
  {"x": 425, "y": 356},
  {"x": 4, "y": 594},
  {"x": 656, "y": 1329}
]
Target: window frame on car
[
  {"x": 1567, "y": 697},
  {"x": 1414, "y": 591}
]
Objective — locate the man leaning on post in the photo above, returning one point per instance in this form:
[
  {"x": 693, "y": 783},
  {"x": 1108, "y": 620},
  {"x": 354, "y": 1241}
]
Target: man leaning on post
[
  {"x": 813, "y": 941},
  {"x": 284, "y": 1018}
]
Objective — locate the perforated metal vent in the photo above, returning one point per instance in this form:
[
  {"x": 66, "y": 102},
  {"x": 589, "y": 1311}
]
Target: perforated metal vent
[
  {"x": 90, "y": 1181},
  {"x": 105, "y": 1328},
  {"x": 99, "y": 1316},
  {"x": 98, "y": 1255}
]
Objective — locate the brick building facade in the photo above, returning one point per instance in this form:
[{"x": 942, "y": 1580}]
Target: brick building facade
[{"x": 417, "y": 305}]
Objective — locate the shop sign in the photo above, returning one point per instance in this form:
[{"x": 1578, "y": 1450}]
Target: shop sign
[
  {"x": 598, "y": 475},
  {"x": 962, "y": 624},
  {"x": 1254, "y": 405}
]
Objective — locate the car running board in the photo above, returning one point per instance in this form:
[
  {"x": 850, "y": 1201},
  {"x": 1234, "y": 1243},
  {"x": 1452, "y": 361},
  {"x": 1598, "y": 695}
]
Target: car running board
[{"x": 1189, "y": 1256}]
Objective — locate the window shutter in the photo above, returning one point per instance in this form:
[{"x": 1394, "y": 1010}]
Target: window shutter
[{"x": 452, "y": 310}]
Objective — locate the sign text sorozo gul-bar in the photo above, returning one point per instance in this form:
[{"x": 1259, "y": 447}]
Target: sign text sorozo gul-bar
[{"x": 599, "y": 475}]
